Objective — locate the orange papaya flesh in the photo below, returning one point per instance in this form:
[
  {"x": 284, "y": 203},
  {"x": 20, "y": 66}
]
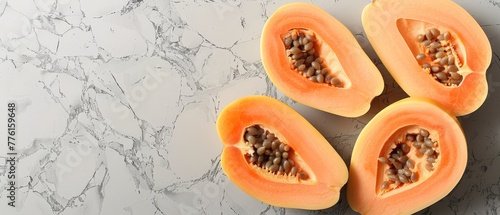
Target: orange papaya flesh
[
  {"x": 339, "y": 52},
  {"x": 312, "y": 154},
  {"x": 388, "y": 130},
  {"x": 393, "y": 28}
]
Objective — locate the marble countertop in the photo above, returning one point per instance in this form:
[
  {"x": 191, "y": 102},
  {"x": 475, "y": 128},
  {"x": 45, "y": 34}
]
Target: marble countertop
[{"x": 117, "y": 102}]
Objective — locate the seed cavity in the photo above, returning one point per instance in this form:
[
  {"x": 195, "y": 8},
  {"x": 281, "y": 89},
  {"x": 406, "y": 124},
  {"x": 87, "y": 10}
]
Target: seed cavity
[
  {"x": 438, "y": 57},
  {"x": 304, "y": 59},
  {"x": 268, "y": 152},
  {"x": 401, "y": 164}
]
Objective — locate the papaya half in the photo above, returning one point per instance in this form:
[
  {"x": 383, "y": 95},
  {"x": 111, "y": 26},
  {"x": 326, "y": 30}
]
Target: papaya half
[
  {"x": 409, "y": 156},
  {"x": 273, "y": 154},
  {"x": 433, "y": 49},
  {"x": 315, "y": 60}
]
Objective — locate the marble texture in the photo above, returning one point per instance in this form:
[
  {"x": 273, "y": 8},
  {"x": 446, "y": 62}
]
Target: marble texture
[{"x": 118, "y": 99}]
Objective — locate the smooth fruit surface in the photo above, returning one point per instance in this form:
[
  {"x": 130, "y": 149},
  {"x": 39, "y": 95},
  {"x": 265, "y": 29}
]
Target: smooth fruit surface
[
  {"x": 340, "y": 52},
  {"x": 312, "y": 154},
  {"x": 392, "y": 27},
  {"x": 366, "y": 192}
]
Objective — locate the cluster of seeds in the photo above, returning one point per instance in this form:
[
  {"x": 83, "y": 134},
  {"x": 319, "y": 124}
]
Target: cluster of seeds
[
  {"x": 402, "y": 168},
  {"x": 300, "y": 50},
  {"x": 400, "y": 165},
  {"x": 270, "y": 153},
  {"x": 438, "y": 57},
  {"x": 425, "y": 146}
]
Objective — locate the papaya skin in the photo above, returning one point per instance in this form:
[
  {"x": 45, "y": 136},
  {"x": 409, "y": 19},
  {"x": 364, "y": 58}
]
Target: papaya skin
[
  {"x": 395, "y": 24},
  {"x": 378, "y": 136},
  {"x": 335, "y": 44},
  {"x": 326, "y": 169}
]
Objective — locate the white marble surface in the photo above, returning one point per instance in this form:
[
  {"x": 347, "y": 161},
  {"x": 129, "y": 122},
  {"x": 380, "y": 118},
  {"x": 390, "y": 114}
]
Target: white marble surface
[{"x": 117, "y": 103}]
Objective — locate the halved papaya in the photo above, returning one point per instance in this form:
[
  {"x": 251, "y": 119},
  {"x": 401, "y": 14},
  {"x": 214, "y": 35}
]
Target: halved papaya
[
  {"x": 273, "y": 154},
  {"x": 433, "y": 49},
  {"x": 409, "y": 156},
  {"x": 315, "y": 60}
]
